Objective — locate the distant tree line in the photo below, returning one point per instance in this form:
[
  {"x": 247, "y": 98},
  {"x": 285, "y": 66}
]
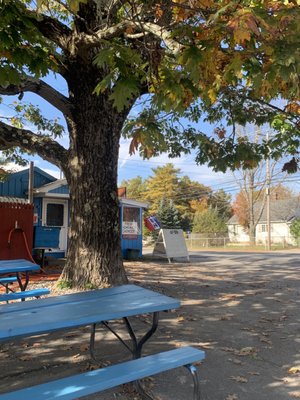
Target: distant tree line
[{"x": 179, "y": 202}]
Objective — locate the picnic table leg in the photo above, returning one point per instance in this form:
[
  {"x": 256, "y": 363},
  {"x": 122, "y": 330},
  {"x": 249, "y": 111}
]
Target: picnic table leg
[
  {"x": 137, "y": 345},
  {"x": 21, "y": 285},
  {"x": 137, "y": 348},
  {"x": 92, "y": 339},
  {"x": 92, "y": 342},
  {"x": 193, "y": 370}
]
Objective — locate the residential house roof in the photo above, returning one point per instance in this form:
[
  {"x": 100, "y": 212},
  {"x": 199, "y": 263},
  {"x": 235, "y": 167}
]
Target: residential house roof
[
  {"x": 48, "y": 191},
  {"x": 8, "y": 199},
  {"x": 280, "y": 211}
]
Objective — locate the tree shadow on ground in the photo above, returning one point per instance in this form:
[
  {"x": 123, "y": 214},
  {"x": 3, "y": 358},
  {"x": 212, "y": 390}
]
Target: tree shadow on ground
[{"x": 244, "y": 313}]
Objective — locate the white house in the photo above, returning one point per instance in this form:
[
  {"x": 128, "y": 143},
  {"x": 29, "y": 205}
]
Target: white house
[{"x": 282, "y": 214}]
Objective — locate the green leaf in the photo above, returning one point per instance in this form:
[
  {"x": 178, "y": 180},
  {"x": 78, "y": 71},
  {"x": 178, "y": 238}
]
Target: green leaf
[{"x": 124, "y": 90}]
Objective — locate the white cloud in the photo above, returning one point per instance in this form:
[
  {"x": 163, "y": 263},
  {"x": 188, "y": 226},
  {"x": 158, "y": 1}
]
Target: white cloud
[
  {"x": 132, "y": 166},
  {"x": 124, "y": 155},
  {"x": 12, "y": 167},
  {"x": 53, "y": 172}
]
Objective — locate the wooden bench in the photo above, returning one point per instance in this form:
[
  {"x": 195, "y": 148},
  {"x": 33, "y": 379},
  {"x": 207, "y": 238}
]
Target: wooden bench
[
  {"x": 76, "y": 386},
  {"x": 24, "y": 295},
  {"x": 8, "y": 280}
]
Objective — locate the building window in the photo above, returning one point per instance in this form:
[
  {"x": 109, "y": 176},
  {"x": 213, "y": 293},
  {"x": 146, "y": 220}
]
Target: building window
[
  {"x": 55, "y": 215},
  {"x": 264, "y": 228},
  {"x": 131, "y": 224}
]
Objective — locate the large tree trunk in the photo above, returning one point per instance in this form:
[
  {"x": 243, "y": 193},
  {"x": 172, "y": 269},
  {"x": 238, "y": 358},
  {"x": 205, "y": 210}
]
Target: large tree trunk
[{"x": 94, "y": 251}]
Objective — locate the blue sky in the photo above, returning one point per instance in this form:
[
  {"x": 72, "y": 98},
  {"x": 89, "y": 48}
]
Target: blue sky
[{"x": 129, "y": 166}]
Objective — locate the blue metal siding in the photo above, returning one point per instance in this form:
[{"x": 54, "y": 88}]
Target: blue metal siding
[
  {"x": 16, "y": 184},
  {"x": 61, "y": 190},
  {"x": 46, "y": 236},
  {"x": 38, "y": 204},
  {"x": 135, "y": 244}
]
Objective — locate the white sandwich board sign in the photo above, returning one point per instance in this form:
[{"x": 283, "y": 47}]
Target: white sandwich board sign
[{"x": 171, "y": 244}]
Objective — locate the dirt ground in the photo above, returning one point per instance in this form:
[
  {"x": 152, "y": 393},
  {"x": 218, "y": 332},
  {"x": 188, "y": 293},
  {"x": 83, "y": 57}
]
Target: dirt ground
[{"x": 244, "y": 314}]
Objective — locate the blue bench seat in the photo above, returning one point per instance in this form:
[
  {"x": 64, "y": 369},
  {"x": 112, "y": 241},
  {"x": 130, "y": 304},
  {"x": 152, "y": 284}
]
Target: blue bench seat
[
  {"x": 24, "y": 295},
  {"x": 76, "y": 386},
  {"x": 7, "y": 281}
]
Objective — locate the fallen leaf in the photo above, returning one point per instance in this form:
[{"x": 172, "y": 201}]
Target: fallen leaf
[
  {"x": 36, "y": 344},
  {"x": 283, "y": 318},
  {"x": 70, "y": 335},
  {"x": 226, "y": 318},
  {"x": 253, "y": 373},
  {"x": 239, "y": 378},
  {"x": 84, "y": 347},
  {"x": 264, "y": 319},
  {"x": 66, "y": 348},
  {"x": 206, "y": 345},
  {"x": 25, "y": 358},
  {"x": 191, "y": 319},
  {"x": 232, "y": 397},
  {"x": 296, "y": 395},
  {"x": 265, "y": 340},
  {"x": 235, "y": 361},
  {"x": 294, "y": 370},
  {"x": 229, "y": 349},
  {"x": 197, "y": 363},
  {"x": 247, "y": 351}
]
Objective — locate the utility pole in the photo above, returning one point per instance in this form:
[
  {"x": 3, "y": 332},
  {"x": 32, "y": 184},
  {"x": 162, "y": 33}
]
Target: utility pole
[
  {"x": 268, "y": 198},
  {"x": 30, "y": 182}
]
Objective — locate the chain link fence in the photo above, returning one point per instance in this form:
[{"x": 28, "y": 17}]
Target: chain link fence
[{"x": 198, "y": 241}]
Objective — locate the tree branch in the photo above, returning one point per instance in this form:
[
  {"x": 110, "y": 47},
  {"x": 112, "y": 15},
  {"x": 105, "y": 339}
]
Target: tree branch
[
  {"x": 51, "y": 28},
  {"x": 42, "y": 89},
  {"x": 44, "y": 146},
  {"x": 118, "y": 29}
]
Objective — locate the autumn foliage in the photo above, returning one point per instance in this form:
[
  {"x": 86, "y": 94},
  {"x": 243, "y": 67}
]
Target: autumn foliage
[{"x": 152, "y": 71}]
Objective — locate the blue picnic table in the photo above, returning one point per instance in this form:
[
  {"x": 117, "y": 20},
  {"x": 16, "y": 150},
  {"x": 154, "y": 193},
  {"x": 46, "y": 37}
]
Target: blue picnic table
[
  {"x": 84, "y": 308},
  {"x": 97, "y": 308},
  {"x": 18, "y": 267}
]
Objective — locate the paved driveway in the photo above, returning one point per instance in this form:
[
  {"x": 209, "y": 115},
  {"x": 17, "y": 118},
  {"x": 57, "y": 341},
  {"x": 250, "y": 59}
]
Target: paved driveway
[{"x": 243, "y": 309}]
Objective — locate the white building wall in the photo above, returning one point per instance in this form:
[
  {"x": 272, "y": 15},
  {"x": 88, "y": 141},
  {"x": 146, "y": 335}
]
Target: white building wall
[
  {"x": 236, "y": 233},
  {"x": 280, "y": 233}
]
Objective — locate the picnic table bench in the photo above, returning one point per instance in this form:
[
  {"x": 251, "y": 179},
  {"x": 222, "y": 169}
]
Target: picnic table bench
[
  {"x": 37, "y": 293},
  {"x": 5, "y": 281},
  {"x": 80, "y": 385},
  {"x": 98, "y": 307},
  {"x": 17, "y": 268}
]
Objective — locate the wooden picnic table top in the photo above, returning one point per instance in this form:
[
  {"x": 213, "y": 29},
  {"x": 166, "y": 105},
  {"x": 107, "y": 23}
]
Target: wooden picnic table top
[{"x": 79, "y": 309}]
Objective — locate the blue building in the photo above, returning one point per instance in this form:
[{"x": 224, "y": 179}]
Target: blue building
[{"x": 51, "y": 212}]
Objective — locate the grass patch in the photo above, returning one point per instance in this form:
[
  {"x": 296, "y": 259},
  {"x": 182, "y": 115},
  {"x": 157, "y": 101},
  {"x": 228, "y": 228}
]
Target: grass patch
[{"x": 64, "y": 285}]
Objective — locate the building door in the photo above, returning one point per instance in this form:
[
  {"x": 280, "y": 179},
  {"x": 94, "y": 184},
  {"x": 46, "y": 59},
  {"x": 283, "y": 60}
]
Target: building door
[{"x": 55, "y": 213}]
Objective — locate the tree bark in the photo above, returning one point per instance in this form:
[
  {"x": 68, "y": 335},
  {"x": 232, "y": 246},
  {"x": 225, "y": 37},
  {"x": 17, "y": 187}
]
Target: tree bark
[{"x": 94, "y": 249}]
